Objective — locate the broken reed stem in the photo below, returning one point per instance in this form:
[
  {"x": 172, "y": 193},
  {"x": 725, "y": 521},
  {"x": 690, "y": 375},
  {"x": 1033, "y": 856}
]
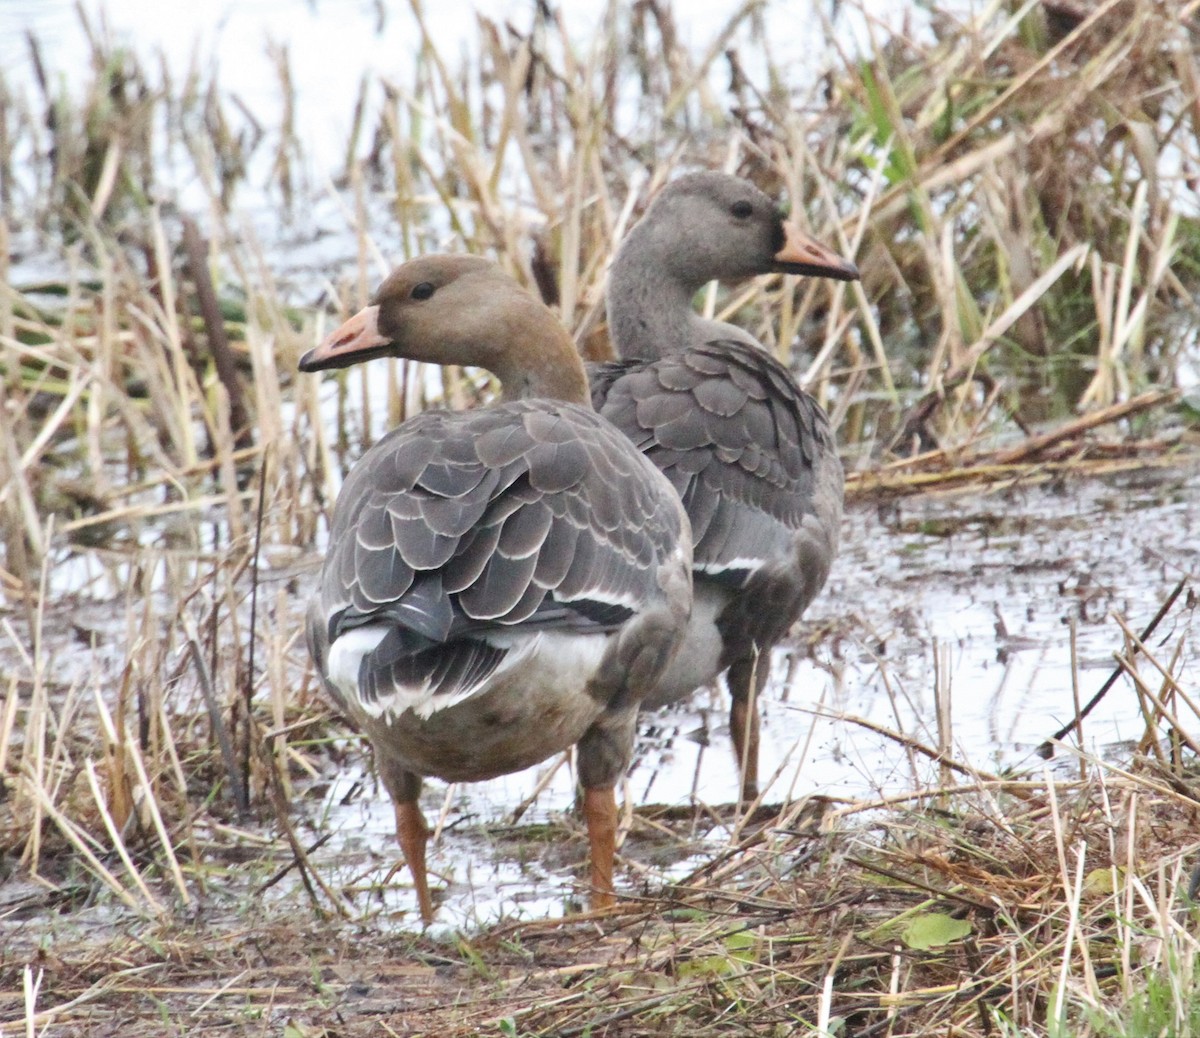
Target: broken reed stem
[
  {"x": 248, "y": 686},
  {"x": 308, "y": 874},
  {"x": 1138, "y": 642},
  {"x": 81, "y": 842},
  {"x": 1075, "y": 700},
  {"x": 937, "y": 756},
  {"x": 118, "y": 843},
  {"x": 296, "y": 862},
  {"x": 1046, "y": 750},
  {"x": 216, "y": 717},
  {"x": 942, "y": 709},
  {"x": 539, "y": 788},
  {"x": 1036, "y": 444},
  {"x": 1126, "y": 664}
]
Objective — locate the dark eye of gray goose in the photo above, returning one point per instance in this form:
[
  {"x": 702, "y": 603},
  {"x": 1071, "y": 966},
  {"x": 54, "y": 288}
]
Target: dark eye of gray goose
[
  {"x": 423, "y": 291},
  {"x": 741, "y": 209}
]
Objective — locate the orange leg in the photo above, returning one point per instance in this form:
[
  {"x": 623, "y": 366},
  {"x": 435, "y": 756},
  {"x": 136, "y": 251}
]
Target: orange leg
[
  {"x": 743, "y": 727},
  {"x": 600, "y": 814},
  {"x": 747, "y": 678},
  {"x": 414, "y": 834}
]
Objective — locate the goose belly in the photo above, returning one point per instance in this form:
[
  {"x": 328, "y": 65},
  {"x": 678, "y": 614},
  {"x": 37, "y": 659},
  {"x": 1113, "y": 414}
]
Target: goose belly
[{"x": 537, "y": 706}]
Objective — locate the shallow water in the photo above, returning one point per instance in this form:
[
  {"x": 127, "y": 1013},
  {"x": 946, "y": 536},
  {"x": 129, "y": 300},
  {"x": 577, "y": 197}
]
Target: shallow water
[
  {"x": 977, "y": 590},
  {"x": 982, "y": 587},
  {"x": 971, "y": 592}
]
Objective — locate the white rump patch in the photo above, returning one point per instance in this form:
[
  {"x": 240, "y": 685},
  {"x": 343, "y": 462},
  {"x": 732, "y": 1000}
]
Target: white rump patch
[
  {"x": 556, "y": 661},
  {"x": 346, "y": 656}
]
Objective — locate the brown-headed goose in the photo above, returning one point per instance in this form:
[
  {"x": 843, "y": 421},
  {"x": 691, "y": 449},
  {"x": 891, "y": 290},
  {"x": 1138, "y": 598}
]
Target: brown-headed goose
[
  {"x": 503, "y": 583},
  {"x": 751, "y": 455}
]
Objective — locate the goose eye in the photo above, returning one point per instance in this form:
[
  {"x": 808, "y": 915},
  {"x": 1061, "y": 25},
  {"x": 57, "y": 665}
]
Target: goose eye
[
  {"x": 423, "y": 291},
  {"x": 741, "y": 209}
]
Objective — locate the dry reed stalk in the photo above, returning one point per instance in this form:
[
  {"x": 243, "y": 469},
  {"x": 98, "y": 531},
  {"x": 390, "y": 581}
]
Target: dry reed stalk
[
  {"x": 118, "y": 843},
  {"x": 23, "y": 530},
  {"x": 223, "y": 447},
  {"x": 236, "y": 424},
  {"x": 1073, "y": 894},
  {"x": 33, "y": 762},
  {"x": 152, "y": 806},
  {"x": 485, "y": 158},
  {"x": 198, "y": 505},
  {"x": 82, "y": 843},
  {"x": 216, "y": 717},
  {"x": 1164, "y": 712},
  {"x": 12, "y": 701},
  {"x": 310, "y": 877},
  {"x": 1046, "y": 749}
]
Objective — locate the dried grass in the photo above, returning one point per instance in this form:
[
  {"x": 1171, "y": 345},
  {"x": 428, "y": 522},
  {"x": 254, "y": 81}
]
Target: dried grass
[
  {"x": 1053, "y": 901},
  {"x": 1016, "y": 193}
]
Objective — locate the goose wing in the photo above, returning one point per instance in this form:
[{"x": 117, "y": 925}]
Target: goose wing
[
  {"x": 459, "y": 532},
  {"x": 750, "y": 454}
]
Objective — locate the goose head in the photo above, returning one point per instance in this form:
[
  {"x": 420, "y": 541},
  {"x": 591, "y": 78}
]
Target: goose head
[
  {"x": 707, "y": 226},
  {"x": 701, "y": 227},
  {"x": 461, "y": 310}
]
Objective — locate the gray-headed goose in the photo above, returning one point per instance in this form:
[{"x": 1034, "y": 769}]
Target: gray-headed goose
[
  {"x": 751, "y": 455},
  {"x": 503, "y": 583}
]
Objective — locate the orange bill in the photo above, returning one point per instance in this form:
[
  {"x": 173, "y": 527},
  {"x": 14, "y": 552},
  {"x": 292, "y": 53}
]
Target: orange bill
[
  {"x": 356, "y": 340},
  {"x": 802, "y": 254}
]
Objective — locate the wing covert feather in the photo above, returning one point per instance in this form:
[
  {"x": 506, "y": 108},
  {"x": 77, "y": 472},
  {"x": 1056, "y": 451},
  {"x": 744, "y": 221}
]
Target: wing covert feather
[
  {"x": 737, "y": 438},
  {"x": 524, "y": 512}
]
